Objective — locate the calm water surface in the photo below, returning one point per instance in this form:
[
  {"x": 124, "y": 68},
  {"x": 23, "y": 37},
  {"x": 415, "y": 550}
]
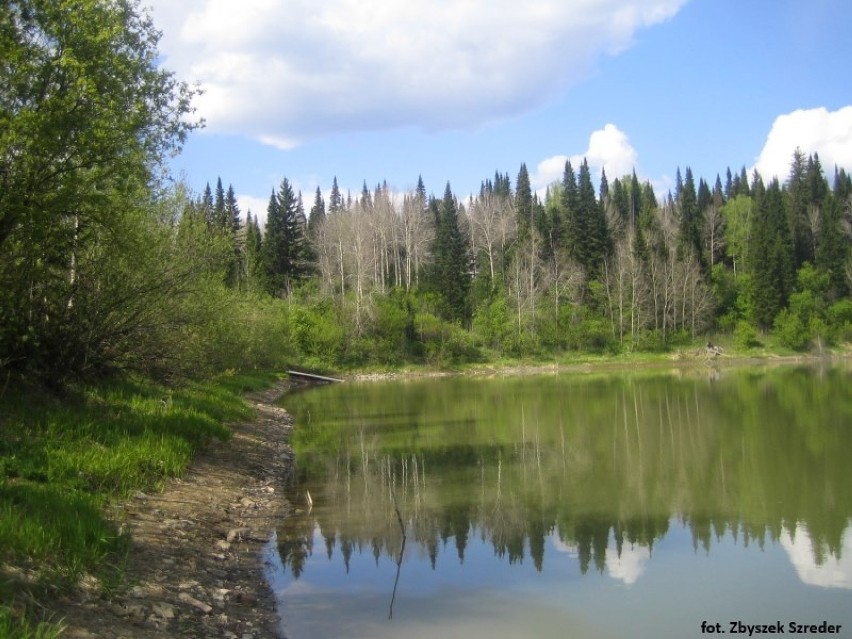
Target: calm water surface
[{"x": 589, "y": 506}]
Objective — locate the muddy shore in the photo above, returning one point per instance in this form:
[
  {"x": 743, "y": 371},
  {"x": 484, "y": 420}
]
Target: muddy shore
[{"x": 196, "y": 566}]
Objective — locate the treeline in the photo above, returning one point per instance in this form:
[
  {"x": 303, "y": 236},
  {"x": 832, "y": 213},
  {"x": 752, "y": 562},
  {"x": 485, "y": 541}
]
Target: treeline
[
  {"x": 104, "y": 263},
  {"x": 385, "y": 277}
]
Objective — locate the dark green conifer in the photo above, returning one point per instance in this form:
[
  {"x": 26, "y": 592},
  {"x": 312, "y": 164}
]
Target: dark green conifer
[
  {"x": 451, "y": 266},
  {"x": 317, "y": 217},
  {"x": 771, "y": 251}
]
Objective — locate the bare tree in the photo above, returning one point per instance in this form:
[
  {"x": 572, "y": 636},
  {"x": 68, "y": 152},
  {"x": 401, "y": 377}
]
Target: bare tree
[
  {"x": 628, "y": 288},
  {"x": 714, "y": 232},
  {"x": 417, "y": 233},
  {"x": 493, "y": 226}
]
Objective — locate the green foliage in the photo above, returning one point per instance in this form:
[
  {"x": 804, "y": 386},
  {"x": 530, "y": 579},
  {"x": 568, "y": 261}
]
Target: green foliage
[
  {"x": 745, "y": 335},
  {"x": 316, "y": 333},
  {"x": 86, "y": 119},
  {"x": 839, "y": 317},
  {"x": 449, "y": 278},
  {"x": 286, "y": 255},
  {"x": 62, "y": 459},
  {"x": 492, "y": 322},
  {"x": 804, "y": 320},
  {"x": 13, "y": 625},
  {"x": 771, "y": 250}
]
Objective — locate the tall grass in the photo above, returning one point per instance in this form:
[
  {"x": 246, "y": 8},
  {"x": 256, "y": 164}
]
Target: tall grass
[{"x": 63, "y": 459}]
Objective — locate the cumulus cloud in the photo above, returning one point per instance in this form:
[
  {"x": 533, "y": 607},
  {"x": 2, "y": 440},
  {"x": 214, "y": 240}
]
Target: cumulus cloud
[
  {"x": 833, "y": 571},
  {"x": 609, "y": 149},
  {"x": 828, "y": 133},
  {"x": 284, "y": 72},
  {"x": 628, "y": 566},
  {"x": 256, "y": 205}
]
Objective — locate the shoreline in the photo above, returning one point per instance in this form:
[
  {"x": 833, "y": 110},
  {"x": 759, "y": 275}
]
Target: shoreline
[
  {"x": 196, "y": 567},
  {"x": 681, "y": 360}
]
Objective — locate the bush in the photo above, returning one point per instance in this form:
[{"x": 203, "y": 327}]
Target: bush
[
  {"x": 791, "y": 331},
  {"x": 745, "y": 336}
]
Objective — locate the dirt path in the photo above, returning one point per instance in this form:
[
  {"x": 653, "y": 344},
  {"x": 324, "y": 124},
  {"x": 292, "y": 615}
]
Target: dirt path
[{"x": 196, "y": 568}]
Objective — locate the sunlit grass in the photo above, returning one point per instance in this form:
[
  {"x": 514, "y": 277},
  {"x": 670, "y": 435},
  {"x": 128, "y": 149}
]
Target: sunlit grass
[
  {"x": 14, "y": 626},
  {"x": 63, "y": 459}
]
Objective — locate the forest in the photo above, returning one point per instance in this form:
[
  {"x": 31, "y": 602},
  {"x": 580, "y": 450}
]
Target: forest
[{"x": 109, "y": 264}]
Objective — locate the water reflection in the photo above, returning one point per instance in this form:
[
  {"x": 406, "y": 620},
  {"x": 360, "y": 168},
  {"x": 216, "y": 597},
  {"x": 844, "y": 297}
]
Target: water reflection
[
  {"x": 597, "y": 470},
  {"x": 819, "y": 566}
]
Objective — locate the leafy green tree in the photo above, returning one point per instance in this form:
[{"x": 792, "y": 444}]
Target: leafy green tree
[
  {"x": 86, "y": 121},
  {"x": 737, "y": 212}
]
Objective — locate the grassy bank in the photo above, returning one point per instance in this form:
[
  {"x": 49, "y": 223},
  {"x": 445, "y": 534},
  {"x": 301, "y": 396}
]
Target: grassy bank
[{"x": 65, "y": 458}]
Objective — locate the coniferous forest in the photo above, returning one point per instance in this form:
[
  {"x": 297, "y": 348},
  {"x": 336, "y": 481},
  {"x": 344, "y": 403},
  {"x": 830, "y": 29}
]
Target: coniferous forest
[{"x": 109, "y": 264}]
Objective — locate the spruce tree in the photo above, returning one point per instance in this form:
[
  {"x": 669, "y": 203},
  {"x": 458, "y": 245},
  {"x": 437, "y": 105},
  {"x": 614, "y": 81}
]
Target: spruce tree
[
  {"x": 231, "y": 230},
  {"x": 771, "y": 256},
  {"x": 586, "y": 232},
  {"x": 335, "y": 201},
  {"x": 286, "y": 253},
  {"x": 451, "y": 264},
  {"x": 253, "y": 256},
  {"x": 317, "y": 217},
  {"x": 206, "y": 207},
  {"x": 690, "y": 216},
  {"x": 833, "y": 248},
  {"x": 219, "y": 218},
  {"x": 797, "y": 197},
  {"x": 524, "y": 203}
]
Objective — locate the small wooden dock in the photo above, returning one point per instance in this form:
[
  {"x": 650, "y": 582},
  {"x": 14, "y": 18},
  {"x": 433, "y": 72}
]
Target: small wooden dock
[{"x": 312, "y": 377}]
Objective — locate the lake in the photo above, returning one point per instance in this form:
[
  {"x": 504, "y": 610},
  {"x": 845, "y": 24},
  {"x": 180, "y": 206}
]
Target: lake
[{"x": 641, "y": 504}]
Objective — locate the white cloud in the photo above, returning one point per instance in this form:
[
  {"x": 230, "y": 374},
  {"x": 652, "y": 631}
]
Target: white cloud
[
  {"x": 609, "y": 149},
  {"x": 828, "y": 133},
  {"x": 834, "y": 571},
  {"x": 630, "y": 565},
  {"x": 256, "y": 205},
  {"x": 284, "y": 72}
]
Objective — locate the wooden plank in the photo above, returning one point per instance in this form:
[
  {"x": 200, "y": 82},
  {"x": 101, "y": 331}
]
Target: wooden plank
[{"x": 320, "y": 378}]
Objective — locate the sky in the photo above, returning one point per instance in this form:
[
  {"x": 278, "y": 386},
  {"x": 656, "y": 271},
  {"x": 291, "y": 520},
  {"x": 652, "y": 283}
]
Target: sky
[{"x": 453, "y": 90}]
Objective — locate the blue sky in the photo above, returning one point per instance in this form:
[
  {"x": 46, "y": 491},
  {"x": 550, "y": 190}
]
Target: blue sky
[{"x": 455, "y": 89}]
